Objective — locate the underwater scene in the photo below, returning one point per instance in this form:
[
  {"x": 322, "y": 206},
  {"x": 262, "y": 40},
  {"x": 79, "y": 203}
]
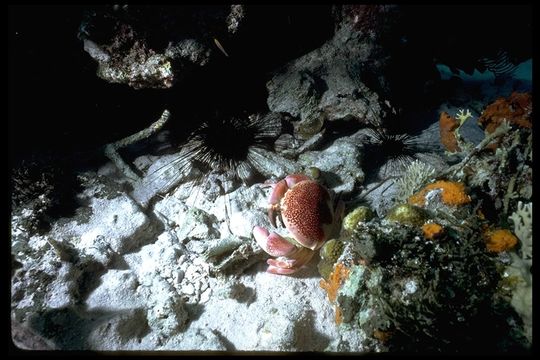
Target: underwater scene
[{"x": 271, "y": 179}]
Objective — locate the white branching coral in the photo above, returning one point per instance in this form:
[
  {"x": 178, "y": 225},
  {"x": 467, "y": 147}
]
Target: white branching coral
[
  {"x": 415, "y": 176},
  {"x": 522, "y": 219},
  {"x": 521, "y": 266}
]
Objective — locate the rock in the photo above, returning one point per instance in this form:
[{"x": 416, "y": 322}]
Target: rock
[
  {"x": 273, "y": 165},
  {"x": 325, "y": 84},
  {"x": 139, "y": 69},
  {"x": 277, "y": 334},
  {"x": 199, "y": 339},
  {"x": 25, "y": 338},
  {"x": 162, "y": 175},
  {"x": 190, "y": 50},
  {"x": 62, "y": 292},
  {"x": 129, "y": 325},
  {"x": 242, "y": 223},
  {"x": 155, "y": 259},
  {"x": 188, "y": 289},
  {"x": 205, "y": 296},
  {"x": 118, "y": 290},
  {"x": 167, "y": 313},
  {"x": 198, "y": 247},
  {"x": 340, "y": 165},
  {"x": 191, "y": 222},
  {"x": 125, "y": 47},
  {"x": 235, "y": 18},
  {"x": 119, "y": 222}
]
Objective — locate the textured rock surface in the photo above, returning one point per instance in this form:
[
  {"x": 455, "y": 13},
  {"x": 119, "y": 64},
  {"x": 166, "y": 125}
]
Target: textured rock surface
[
  {"x": 122, "y": 43},
  {"x": 325, "y": 85}
]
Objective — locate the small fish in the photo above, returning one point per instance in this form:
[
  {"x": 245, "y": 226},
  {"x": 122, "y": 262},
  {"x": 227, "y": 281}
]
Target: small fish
[{"x": 218, "y": 44}]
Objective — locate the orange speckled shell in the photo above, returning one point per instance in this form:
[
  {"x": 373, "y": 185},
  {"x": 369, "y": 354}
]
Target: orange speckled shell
[{"x": 305, "y": 208}]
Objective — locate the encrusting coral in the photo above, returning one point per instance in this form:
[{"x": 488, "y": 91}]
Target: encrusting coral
[
  {"x": 407, "y": 214},
  {"x": 336, "y": 279}
]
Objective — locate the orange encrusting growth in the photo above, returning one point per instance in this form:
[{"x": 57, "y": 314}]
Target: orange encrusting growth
[
  {"x": 432, "y": 230},
  {"x": 447, "y": 126},
  {"x": 453, "y": 193},
  {"x": 500, "y": 240},
  {"x": 516, "y": 109},
  {"x": 339, "y": 315},
  {"x": 335, "y": 280}
]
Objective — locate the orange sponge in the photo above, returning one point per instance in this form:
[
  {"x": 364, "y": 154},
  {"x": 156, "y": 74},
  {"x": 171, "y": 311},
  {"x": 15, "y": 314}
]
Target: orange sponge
[
  {"x": 453, "y": 193},
  {"x": 500, "y": 240},
  {"x": 432, "y": 230},
  {"x": 447, "y": 126}
]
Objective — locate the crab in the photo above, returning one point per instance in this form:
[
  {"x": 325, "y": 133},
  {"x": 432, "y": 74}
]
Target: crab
[{"x": 307, "y": 211}]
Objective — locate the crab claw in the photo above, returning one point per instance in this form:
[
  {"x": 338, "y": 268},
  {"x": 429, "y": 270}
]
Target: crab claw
[
  {"x": 272, "y": 243},
  {"x": 290, "y": 258}
]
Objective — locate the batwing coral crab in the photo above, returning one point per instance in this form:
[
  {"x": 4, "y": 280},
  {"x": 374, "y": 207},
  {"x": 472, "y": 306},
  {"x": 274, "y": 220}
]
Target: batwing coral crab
[{"x": 306, "y": 209}]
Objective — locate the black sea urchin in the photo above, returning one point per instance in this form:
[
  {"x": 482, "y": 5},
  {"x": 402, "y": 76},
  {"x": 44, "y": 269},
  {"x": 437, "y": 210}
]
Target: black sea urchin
[
  {"x": 225, "y": 145},
  {"x": 390, "y": 153}
]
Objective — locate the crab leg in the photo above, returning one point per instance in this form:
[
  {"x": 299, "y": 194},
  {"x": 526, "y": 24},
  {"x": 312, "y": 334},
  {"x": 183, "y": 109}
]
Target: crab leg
[
  {"x": 280, "y": 188},
  {"x": 293, "y": 179},
  {"x": 291, "y": 263}
]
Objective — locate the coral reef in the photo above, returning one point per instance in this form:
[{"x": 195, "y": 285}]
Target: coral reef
[
  {"x": 407, "y": 214},
  {"x": 330, "y": 253},
  {"x": 42, "y": 192},
  {"x": 360, "y": 214},
  {"x": 449, "y": 131},
  {"x": 415, "y": 291}
]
